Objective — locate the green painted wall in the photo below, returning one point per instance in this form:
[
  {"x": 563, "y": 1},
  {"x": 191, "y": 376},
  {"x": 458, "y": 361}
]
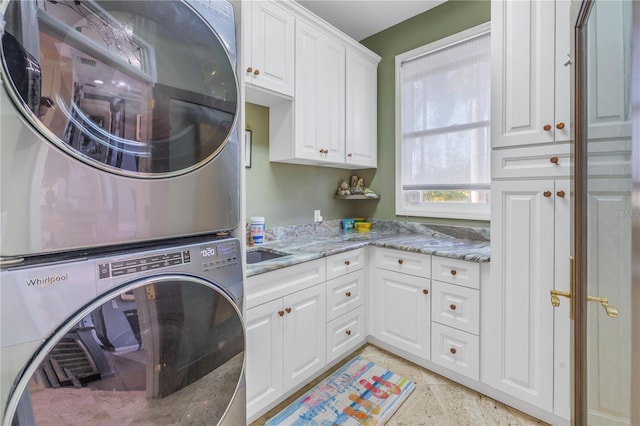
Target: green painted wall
[
  {"x": 287, "y": 194},
  {"x": 447, "y": 19}
]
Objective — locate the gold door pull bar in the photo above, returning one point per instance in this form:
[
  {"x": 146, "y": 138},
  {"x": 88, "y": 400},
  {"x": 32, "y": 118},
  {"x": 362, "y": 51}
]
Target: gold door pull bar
[{"x": 610, "y": 310}]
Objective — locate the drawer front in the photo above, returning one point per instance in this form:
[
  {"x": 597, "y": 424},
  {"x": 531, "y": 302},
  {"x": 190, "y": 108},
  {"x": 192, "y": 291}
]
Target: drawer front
[
  {"x": 456, "y": 350},
  {"x": 272, "y": 285},
  {"x": 345, "y": 333},
  {"x": 343, "y": 263},
  {"x": 345, "y": 293},
  {"x": 456, "y": 271},
  {"x": 455, "y": 306},
  {"x": 404, "y": 262},
  {"x": 539, "y": 161}
]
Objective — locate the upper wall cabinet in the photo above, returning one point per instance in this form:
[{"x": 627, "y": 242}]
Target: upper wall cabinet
[
  {"x": 268, "y": 47},
  {"x": 531, "y": 75}
]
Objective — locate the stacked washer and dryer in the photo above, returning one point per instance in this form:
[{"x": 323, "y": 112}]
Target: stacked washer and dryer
[{"x": 121, "y": 289}]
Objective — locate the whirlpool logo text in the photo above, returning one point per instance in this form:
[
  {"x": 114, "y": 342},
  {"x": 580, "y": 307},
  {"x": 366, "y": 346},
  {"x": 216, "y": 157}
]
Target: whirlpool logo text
[{"x": 47, "y": 281}]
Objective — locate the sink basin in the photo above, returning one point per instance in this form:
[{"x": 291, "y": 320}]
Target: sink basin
[{"x": 262, "y": 255}]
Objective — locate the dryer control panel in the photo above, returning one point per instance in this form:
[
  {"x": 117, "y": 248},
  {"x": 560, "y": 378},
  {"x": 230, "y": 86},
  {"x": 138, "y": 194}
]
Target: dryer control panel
[
  {"x": 136, "y": 265},
  {"x": 217, "y": 255}
]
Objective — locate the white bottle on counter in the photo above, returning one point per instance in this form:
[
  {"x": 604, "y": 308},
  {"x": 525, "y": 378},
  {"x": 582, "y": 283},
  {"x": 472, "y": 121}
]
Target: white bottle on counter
[{"x": 256, "y": 229}]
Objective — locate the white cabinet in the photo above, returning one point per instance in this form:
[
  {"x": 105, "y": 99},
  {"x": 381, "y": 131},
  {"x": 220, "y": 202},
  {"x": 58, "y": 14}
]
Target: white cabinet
[
  {"x": 286, "y": 333},
  {"x": 346, "y": 323},
  {"x": 402, "y": 304},
  {"x": 268, "y": 33},
  {"x": 530, "y": 233},
  {"x": 531, "y": 72},
  {"x": 361, "y": 111}
]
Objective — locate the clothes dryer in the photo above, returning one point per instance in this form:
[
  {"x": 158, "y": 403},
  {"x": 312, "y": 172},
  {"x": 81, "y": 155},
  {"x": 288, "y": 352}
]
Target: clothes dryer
[
  {"x": 137, "y": 337},
  {"x": 118, "y": 123}
]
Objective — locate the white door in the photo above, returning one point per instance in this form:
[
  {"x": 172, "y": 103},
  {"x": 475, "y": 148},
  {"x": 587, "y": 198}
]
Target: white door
[
  {"x": 304, "y": 334},
  {"x": 607, "y": 291}
]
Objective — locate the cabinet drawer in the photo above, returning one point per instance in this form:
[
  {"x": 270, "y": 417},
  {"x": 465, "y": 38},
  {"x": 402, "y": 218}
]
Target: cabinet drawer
[
  {"x": 456, "y": 271},
  {"x": 404, "y": 262},
  {"x": 345, "y": 333},
  {"x": 531, "y": 161},
  {"x": 345, "y": 293},
  {"x": 455, "y": 306},
  {"x": 343, "y": 263},
  {"x": 456, "y": 350},
  {"x": 269, "y": 286}
]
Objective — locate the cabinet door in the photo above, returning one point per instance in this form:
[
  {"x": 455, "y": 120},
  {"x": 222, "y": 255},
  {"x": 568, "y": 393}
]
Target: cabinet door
[
  {"x": 269, "y": 60},
  {"x": 361, "y": 110},
  {"x": 264, "y": 328},
  {"x": 517, "y": 355},
  {"x": 319, "y": 102},
  {"x": 304, "y": 334},
  {"x": 401, "y": 313},
  {"x": 522, "y": 77}
]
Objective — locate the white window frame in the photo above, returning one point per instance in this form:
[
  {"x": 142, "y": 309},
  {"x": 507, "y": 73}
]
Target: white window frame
[{"x": 444, "y": 210}]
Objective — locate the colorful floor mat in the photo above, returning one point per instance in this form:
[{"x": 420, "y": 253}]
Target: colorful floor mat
[{"x": 359, "y": 393}]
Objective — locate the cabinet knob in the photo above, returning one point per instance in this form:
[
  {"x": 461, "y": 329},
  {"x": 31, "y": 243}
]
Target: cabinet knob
[
  {"x": 425, "y": 291},
  {"x": 453, "y": 272},
  {"x": 281, "y": 313},
  {"x": 400, "y": 261},
  {"x": 348, "y": 332},
  {"x": 349, "y": 155},
  {"x": 547, "y": 127},
  {"x": 554, "y": 160},
  {"x": 547, "y": 194},
  {"x": 452, "y": 307},
  {"x": 348, "y": 294},
  {"x": 256, "y": 72},
  {"x": 288, "y": 310},
  {"x": 560, "y": 126},
  {"x": 346, "y": 262},
  {"x": 561, "y": 194},
  {"x": 249, "y": 70},
  {"x": 453, "y": 351}
]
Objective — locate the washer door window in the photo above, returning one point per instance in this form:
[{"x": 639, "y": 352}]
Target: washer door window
[
  {"x": 140, "y": 88},
  {"x": 163, "y": 351}
]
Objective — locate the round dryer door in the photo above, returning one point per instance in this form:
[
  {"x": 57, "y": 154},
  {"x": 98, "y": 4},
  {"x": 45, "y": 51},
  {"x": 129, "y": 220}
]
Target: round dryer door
[
  {"x": 166, "y": 350},
  {"x": 138, "y": 88}
]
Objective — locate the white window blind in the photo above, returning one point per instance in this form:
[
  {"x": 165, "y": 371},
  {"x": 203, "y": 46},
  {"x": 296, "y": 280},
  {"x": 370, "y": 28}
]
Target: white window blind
[{"x": 445, "y": 119}]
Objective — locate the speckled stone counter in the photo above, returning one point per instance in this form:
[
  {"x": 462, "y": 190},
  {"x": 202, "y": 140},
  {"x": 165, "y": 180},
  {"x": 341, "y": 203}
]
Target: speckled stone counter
[{"x": 303, "y": 243}]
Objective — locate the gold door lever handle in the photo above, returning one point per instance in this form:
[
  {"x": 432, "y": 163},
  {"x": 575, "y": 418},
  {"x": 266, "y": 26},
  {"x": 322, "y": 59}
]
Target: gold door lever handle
[
  {"x": 610, "y": 310},
  {"x": 555, "y": 300}
]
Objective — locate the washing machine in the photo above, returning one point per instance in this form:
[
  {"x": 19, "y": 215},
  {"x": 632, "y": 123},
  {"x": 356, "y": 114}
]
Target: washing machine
[
  {"x": 117, "y": 123},
  {"x": 138, "y": 337}
]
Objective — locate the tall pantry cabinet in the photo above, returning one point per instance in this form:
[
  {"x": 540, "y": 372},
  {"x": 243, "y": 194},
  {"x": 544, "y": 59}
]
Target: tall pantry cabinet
[{"x": 526, "y": 354}]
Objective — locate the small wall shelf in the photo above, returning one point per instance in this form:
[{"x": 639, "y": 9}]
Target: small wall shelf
[{"x": 354, "y": 197}]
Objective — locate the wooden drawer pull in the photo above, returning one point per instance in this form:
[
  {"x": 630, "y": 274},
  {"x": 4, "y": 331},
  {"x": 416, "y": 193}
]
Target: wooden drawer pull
[
  {"x": 249, "y": 69},
  {"x": 400, "y": 261},
  {"x": 256, "y": 72},
  {"x": 452, "y": 307},
  {"x": 281, "y": 313},
  {"x": 554, "y": 160},
  {"x": 348, "y": 332},
  {"x": 453, "y": 272},
  {"x": 560, "y": 126},
  {"x": 288, "y": 310},
  {"x": 561, "y": 194},
  {"x": 346, "y": 262},
  {"x": 547, "y": 127},
  {"x": 425, "y": 291},
  {"x": 453, "y": 351},
  {"x": 547, "y": 194},
  {"x": 348, "y": 294}
]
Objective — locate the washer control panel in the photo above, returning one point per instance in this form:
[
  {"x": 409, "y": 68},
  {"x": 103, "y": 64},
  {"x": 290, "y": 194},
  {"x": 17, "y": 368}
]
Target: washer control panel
[
  {"x": 136, "y": 265},
  {"x": 218, "y": 255}
]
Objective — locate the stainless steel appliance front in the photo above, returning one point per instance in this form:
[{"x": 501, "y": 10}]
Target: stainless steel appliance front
[
  {"x": 153, "y": 337},
  {"x": 116, "y": 116}
]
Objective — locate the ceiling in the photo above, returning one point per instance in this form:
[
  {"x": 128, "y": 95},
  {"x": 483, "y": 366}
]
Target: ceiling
[{"x": 362, "y": 18}]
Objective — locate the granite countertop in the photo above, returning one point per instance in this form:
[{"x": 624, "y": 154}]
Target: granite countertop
[{"x": 308, "y": 242}]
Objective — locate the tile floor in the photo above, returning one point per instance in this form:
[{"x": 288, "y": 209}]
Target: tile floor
[{"x": 435, "y": 401}]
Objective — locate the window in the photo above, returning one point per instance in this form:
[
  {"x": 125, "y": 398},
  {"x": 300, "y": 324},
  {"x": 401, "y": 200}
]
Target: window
[{"x": 443, "y": 144}]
